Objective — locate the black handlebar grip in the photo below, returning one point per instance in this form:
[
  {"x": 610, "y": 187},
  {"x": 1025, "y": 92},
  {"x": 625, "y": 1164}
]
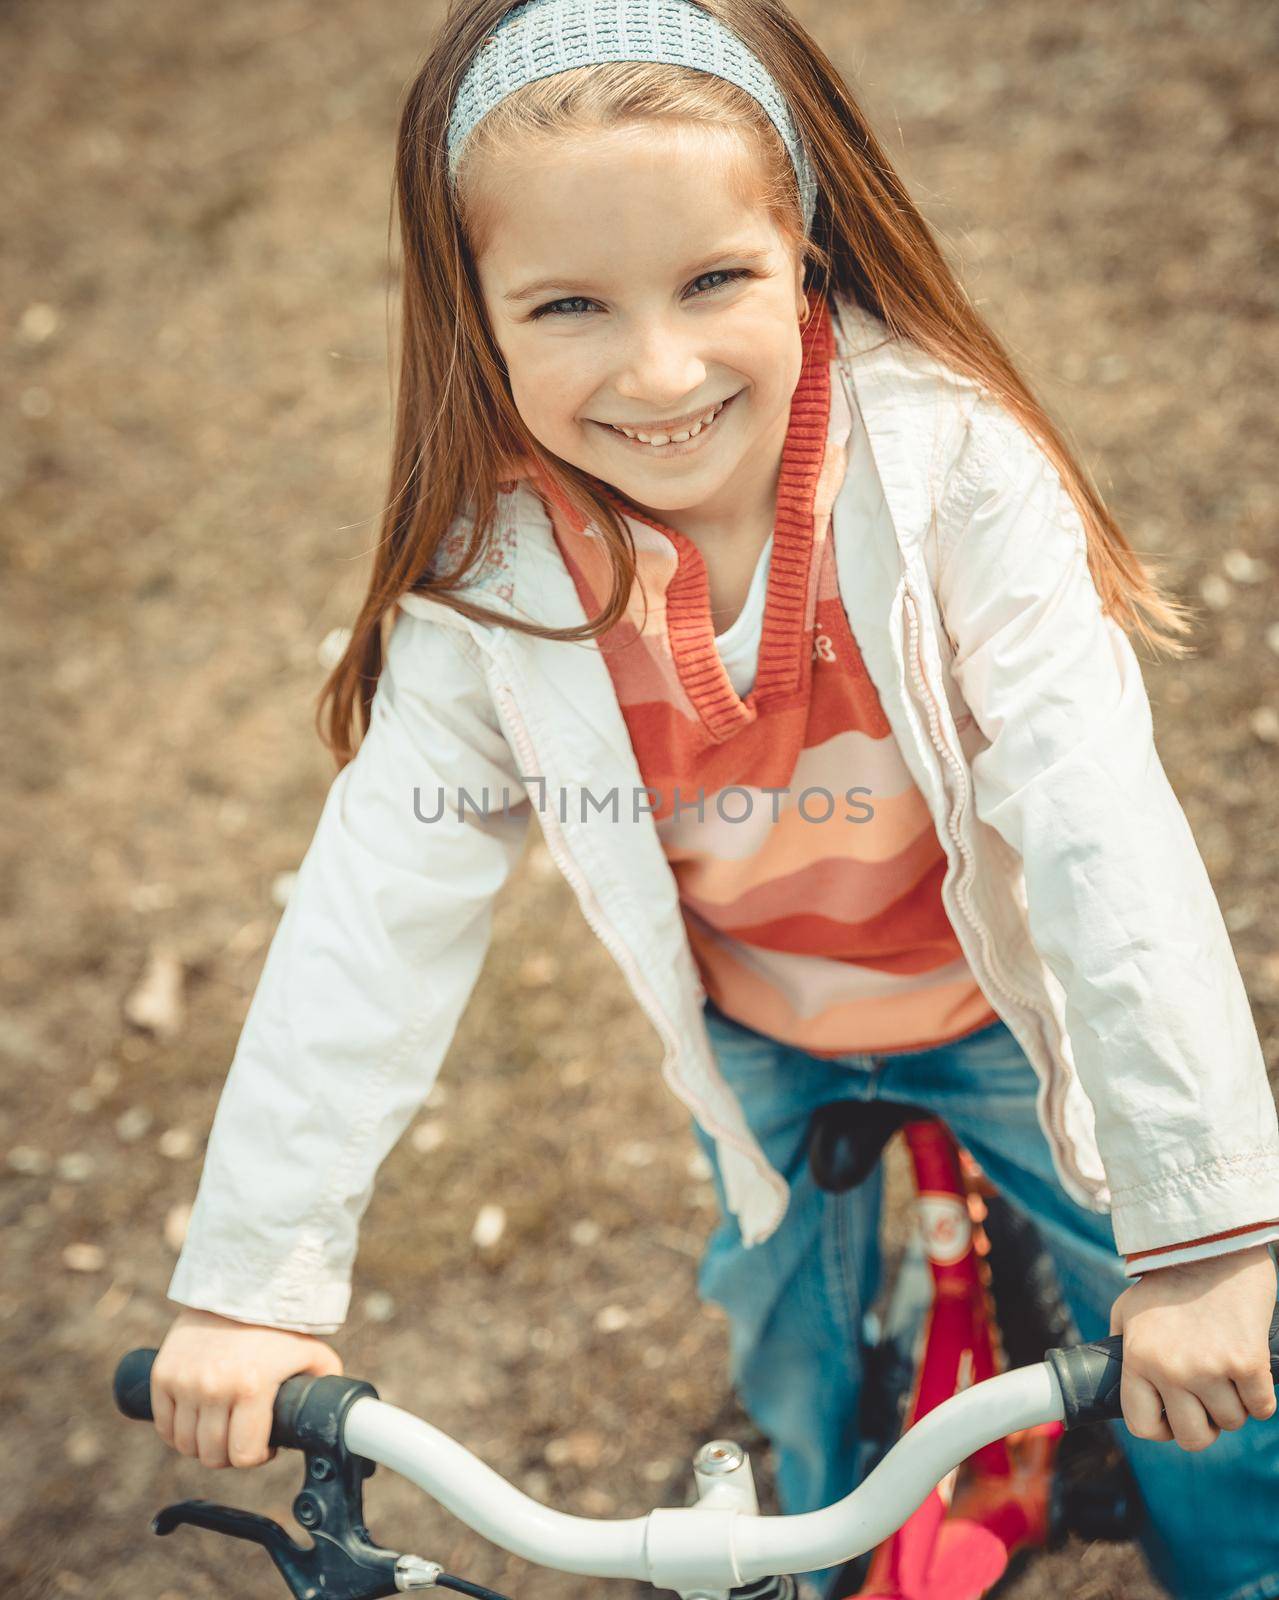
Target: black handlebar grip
[
  {"x": 132, "y": 1386},
  {"x": 1089, "y": 1376},
  {"x": 309, "y": 1411}
]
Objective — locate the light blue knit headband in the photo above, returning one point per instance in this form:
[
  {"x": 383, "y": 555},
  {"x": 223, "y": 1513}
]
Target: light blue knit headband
[{"x": 543, "y": 37}]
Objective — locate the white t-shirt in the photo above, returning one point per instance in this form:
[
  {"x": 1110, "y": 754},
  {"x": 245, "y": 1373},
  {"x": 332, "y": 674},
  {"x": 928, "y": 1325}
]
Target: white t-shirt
[{"x": 738, "y": 645}]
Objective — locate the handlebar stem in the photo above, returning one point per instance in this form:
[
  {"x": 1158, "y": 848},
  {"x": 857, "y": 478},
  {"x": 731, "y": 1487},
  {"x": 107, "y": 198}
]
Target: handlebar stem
[{"x": 691, "y": 1548}]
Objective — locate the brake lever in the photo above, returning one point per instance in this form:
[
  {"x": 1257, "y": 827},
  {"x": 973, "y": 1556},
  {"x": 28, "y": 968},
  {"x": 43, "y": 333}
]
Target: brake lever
[
  {"x": 325, "y": 1569},
  {"x": 309, "y": 1415},
  {"x": 343, "y": 1563}
]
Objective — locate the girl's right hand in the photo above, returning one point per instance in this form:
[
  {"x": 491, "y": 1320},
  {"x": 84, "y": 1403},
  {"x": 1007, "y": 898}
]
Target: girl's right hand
[{"x": 214, "y": 1383}]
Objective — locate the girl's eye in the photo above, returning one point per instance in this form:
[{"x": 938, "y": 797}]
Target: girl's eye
[{"x": 729, "y": 274}]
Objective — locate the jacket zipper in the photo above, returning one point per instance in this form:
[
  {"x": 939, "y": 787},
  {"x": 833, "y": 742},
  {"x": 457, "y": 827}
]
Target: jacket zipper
[
  {"x": 957, "y": 768},
  {"x": 607, "y": 934},
  {"x": 995, "y": 968}
]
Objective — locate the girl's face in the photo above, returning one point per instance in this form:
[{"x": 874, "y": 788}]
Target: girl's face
[{"x": 626, "y": 285}]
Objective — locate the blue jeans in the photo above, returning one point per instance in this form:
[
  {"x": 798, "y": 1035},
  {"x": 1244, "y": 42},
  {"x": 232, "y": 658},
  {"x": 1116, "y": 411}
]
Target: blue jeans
[{"x": 795, "y": 1302}]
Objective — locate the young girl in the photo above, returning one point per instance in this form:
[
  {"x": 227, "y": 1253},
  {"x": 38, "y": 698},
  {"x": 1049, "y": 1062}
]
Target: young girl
[{"x": 724, "y": 534}]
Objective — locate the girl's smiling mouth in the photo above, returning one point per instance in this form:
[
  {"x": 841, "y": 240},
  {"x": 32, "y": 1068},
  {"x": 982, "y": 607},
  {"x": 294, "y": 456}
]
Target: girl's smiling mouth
[{"x": 676, "y": 446}]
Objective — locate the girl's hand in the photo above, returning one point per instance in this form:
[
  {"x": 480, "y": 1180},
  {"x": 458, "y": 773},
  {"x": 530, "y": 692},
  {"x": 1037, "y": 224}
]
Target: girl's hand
[
  {"x": 214, "y": 1382},
  {"x": 1196, "y": 1346}
]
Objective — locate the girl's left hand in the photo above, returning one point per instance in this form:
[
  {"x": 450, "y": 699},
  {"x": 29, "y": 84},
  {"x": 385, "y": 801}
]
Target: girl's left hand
[{"x": 1196, "y": 1347}]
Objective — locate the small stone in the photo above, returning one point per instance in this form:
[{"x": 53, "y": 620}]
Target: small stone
[
  {"x": 1240, "y": 567},
  {"x": 282, "y": 887},
  {"x": 636, "y": 1154},
  {"x": 1272, "y": 637},
  {"x": 83, "y": 1447},
  {"x": 75, "y": 1167},
  {"x": 333, "y": 647},
  {"x": 427, "y": 1136},
  {"x": 438, "y": 1096},
  {"x": 490, "y": 1225},
  {"x": 176, "y": 1144},
  {"x": 541, "y": 1339},
  {"x": 612, "y": 1319},
  {"x": 699, "y": 1166},
  {"x": 130, "y": 1125},
  {"x": 84, "y": 1258},
  {"x": 82, "y": 1101},
  {"x": 71, "y": 1582},
  {"x": 654, "y": 1357},
  {"x": 38, "y": 322},
  {"x": 575, "y": 1072},
  {"x": 585, "y": 1232},
  {"x": 176, "y": 1221},
  {"x": 1264, "y": 722},
  {"x": 595, "y": 1502},
  {"x": 581, "y": 1448},
  {"x": 152, "y": 896},
  {"x": 1216, "y": 592},
  {"x": 657, "y": 1471},
  {"x": 29, "y": 1161},
  {"x": 379, "y": 1306},
  {"x": 246, "y": 939},
  {"x": 155, "y": 1005},
  {"x": 538, "y": 969}
]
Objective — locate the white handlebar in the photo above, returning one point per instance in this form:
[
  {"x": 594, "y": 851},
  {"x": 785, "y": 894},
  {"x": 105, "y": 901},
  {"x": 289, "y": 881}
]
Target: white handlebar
[{"x": 712, "y": 1546}]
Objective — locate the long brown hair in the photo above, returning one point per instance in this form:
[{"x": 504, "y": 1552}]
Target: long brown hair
[{"x": 457, "y": 430}]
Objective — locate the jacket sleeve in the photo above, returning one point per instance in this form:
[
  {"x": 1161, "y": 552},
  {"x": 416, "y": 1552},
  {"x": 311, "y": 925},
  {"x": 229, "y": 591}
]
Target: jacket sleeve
[
  {"x": 1120, "y": 905},
  {"x": 371, "y": 966}
]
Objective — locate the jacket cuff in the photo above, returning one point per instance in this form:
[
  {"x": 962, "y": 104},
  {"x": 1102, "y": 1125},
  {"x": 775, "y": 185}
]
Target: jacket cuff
[
  {"x": 1197, "y": 1202},
  {"x": 1227, "y": 1243}
]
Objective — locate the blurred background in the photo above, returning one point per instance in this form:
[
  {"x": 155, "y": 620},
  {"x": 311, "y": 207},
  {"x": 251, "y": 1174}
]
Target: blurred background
[{"x": 197, "y": 297}]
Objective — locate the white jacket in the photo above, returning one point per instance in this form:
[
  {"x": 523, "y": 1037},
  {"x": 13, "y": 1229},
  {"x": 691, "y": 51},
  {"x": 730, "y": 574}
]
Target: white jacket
[{"x": 1074, "y": 884}]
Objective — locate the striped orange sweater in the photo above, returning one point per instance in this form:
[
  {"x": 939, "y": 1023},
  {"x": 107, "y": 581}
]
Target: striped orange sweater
[{"x": 808, "y": 867}]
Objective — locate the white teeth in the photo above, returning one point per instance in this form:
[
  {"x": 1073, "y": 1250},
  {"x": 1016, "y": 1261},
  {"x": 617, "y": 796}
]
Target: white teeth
[{"x": 659, "y": 439}]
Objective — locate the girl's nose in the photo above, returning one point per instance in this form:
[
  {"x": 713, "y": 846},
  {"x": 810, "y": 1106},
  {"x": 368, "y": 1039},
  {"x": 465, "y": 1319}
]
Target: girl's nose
[{"x": 658, "y": 370}]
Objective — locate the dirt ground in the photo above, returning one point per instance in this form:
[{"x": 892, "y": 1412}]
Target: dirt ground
[{"x": 195, "y": 290}]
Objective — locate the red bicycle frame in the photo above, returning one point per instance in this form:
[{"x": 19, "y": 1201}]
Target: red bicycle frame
[{"x": 958, "y": 1543}]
